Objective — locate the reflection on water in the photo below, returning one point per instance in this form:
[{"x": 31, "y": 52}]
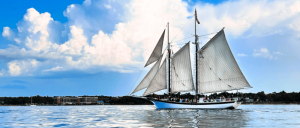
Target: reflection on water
[
  {"x": 148, "y": 116},
  {"x": 196, "y": 118}
]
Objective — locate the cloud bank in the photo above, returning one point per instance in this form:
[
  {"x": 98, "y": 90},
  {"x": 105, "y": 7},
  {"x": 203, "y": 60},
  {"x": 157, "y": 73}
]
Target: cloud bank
[{"x": 38, "y": 46}]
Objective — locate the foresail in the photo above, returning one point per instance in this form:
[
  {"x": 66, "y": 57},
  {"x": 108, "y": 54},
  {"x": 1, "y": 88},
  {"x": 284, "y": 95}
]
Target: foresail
[
  {"x": 159, "y": 82},
  {"x": 157, "y": 51},
  {"x": 149, "y": 77},
  {"x": 218, "y": 69},
  {"x": 182, "y": 78}
]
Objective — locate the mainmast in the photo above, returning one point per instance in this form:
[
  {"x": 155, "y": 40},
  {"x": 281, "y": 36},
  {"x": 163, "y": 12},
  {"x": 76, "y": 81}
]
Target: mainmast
[
  {"x": 169, "y": 65},
  {"x": 196, "y": 45}
]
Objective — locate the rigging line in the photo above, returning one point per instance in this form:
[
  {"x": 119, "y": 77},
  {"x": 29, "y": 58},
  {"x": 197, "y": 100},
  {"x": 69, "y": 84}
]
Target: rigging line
[
  {"x": 182, "y": 28},
  {"x": 198, "y": 29},
  {"x": 201, "y": 37},
  {"x": 205, "y": 38},
  {"x": 207, "y": 34},
  {"x": 136, "y": 80},
  {"x": 200, "y": 40},
  {"x": 183, "y": 39},
  {"x": 181, "y": 44}
]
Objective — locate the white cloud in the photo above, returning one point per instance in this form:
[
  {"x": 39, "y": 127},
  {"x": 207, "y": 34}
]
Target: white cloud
[
  {"x": 242, "y": 55},
  {"x": 6, "y": 32},
  {"x": 14, "y": 69},
  {"x": 260, "y": 18},
  {"x": 17, "y": 67},
  {"x": 76, "y": 42},
  {"x": 34, "y": 63},
  {"x": 129, "y": 41},
  {"x": 57, "y": 68},
  {"x": 107, "y": 6},
  {"x": 87, "y": 2},
  {"x": 278, "y": 53},
  {"x": 2, "y": 72},
  {"x": 17, "y": 40},
  {"x": 37, "y": 28},
  {"x": 265, "y": 53},
  {"x": 38, "y": 22}
]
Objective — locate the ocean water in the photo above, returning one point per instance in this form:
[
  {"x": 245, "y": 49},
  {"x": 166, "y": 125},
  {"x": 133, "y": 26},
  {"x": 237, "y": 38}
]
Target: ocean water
[{"x": 147, "y": 116}]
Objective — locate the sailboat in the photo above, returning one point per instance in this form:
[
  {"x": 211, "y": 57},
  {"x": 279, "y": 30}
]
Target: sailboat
[
  {"x": 31, "y": 102},
  {"x": 216, "y": 71}
]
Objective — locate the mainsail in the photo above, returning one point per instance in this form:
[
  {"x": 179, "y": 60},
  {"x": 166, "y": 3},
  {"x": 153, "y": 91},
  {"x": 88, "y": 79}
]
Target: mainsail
[
  {"x": 149, "y": 77},
  {"x": 157, "y": 51},
  {"x": 182, "y": 78},
  {"x": 218, "y": 70},
  {"x": 159, "y": 81}
]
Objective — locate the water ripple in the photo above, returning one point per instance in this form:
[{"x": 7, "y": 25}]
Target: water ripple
[{"x": 148, "y": 116}]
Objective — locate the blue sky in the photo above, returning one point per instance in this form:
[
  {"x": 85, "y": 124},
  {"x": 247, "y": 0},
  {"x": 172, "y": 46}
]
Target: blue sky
[{"x": 78, "y": 47}]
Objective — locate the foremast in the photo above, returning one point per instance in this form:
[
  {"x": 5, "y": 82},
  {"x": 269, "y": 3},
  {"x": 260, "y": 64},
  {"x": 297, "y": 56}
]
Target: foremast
[{"x": 169, "y": 64}]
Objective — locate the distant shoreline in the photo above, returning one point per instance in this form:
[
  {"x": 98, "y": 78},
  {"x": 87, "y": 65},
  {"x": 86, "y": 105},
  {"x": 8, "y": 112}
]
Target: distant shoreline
[
  {"x": 260, "y": 98},
  {"x": 254, "y": 103},
  {"x": 271, "y": 103}
]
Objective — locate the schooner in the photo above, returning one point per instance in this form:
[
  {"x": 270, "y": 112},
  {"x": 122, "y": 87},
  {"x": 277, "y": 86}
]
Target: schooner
[{"x": 216, "y": 71}]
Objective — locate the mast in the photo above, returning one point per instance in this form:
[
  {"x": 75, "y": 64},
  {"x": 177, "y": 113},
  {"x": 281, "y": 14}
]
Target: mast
[
  {"x": 169, "y": 65},
  {"x": 196, "y": 45}
]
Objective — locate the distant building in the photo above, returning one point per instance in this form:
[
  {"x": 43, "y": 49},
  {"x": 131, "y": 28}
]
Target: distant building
[
  {"x": 88, "y": 100},
  {"x": 75, "y": 100},
  {"x": 57, "y": 100},
  {"x": 69, "y": 100}
]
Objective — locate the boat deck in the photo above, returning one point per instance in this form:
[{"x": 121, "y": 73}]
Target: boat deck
[{"x": 195, "y": 103}]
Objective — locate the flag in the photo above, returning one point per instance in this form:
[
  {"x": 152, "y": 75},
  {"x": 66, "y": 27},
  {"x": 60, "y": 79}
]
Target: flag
[{"x": 196, "y": 17}]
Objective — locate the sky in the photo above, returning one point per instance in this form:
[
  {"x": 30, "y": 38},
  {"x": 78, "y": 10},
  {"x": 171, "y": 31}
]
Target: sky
[{"x": 96, "y": 47}]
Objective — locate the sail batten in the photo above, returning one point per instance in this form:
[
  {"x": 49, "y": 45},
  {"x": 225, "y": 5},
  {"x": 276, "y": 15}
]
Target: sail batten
[
  {"x": 182, "y": 78},
  {"x": 159, "y": 81},
  {"x": 219, "y": 70},
  {"x": 156, "y": 53}
]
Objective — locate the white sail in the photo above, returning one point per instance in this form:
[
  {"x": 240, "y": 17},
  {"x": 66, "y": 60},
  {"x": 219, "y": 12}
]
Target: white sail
[
  {"x": 159, "y": 81},
  {"x": 182, "y": 78},
  {"x": 218, "y": 70},
  {"x": 157, "y": 51},
  {"x": 149, "y": 77}
]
